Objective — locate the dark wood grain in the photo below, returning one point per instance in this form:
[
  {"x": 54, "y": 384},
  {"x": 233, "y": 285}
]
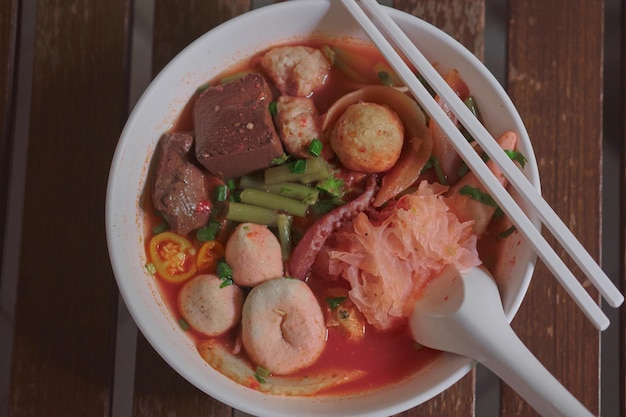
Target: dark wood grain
[
  {"x": 159, "y": 390},
  {"x": 175, "y": 26},
  {"x": 64, "y": 338},
  {"x": 465, "y": 21},
  {"x": 555, "y": 79},
  {"x": 8, "y": 50}
]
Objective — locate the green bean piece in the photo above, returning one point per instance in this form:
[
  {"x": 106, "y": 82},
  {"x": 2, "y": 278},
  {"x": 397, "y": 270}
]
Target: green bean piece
[
  {"x": 316, "y": 169},
  {"x": 240, "y": 212},
  {"x": 284, "y": 222},
  {"x": 302, "y": 192},
  {"x": 273, "y": 201}
]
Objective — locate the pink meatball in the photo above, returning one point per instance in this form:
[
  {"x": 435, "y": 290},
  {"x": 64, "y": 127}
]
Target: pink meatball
[
  {"x": 208, "y": 306},
  {"x": 254, "y": 255},
  {"x": 296, "y": 70},
  {"x": 368, "y": 137}
]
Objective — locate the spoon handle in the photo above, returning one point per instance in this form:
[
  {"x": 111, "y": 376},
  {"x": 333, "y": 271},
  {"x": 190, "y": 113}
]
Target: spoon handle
[{"x": 506, "y": 355}]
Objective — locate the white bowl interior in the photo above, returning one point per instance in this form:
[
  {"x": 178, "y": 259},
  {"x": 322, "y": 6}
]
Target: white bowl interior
[{"x": 156, "y": 112}]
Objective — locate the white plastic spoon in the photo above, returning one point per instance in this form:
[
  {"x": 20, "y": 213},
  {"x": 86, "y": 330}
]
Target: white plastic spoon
[{"x": 461, "y": 312}]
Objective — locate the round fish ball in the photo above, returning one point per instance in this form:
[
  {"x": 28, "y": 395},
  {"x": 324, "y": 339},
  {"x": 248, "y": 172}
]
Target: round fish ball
[
  {"x": 368, "y": 137},
  {"x": 208, "y": 307},
  {"x": 254, "y": 255}
]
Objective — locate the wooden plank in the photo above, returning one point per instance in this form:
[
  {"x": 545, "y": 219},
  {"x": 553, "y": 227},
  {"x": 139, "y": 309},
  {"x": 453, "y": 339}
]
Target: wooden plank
[
  {"x": 555, "y": 80},
  {"x": 465, "y": 21},
  {"x": 63, "y": 345},
  {"x": 8, "y": 49},
  {"x": 159, "y": 390},
  {"x": 177, "y": 25}
]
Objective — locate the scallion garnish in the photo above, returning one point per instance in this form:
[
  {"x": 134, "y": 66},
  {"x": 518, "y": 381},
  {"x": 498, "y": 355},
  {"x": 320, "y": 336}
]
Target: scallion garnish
[
  {"x": 183, "y": 324},
  {"x": 437, "y": 167},
  {"x": 220, "y": 193},
  {"x": 298, "y": 167},
  {"x": 160, "y": 228},
  {"x": 280, "y": 160},
  {"x": 151, "y": 268},
  {"x": 225, "y": 273},
  {"x": 517, "y": 157},
  {"x": 332, "y": 186},
  {"x": 477, "y": 195},
  {"x": 208, "y": 232},
  {"x": 508, "y": 232},
  {"x": 334, "y": 302},
  {"x": 273, "y": 108},
  {"x": 315, "y": 148},
  {"x": 261, "y": 373}
]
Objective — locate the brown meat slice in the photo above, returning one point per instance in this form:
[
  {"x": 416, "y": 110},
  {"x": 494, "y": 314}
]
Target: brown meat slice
[
  {"x": 180, "y": 191},
  {"x": 234, "y": 131}
]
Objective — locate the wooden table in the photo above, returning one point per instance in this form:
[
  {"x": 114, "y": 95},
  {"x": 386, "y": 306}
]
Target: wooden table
[{"x": 64, "y": 92}]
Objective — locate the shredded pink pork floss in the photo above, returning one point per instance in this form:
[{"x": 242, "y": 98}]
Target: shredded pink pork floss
[{"x": 389, "y": 260}]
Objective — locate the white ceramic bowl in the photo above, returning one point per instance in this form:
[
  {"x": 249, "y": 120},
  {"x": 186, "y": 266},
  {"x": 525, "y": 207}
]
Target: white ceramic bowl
[{"x": 159, "y": 108}]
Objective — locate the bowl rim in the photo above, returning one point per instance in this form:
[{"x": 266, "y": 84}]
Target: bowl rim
[{"x": 150, "y": 329}]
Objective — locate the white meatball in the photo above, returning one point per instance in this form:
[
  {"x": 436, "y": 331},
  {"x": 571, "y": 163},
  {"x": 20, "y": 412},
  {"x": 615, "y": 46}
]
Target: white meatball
[
  {"x": 254, "y": 255},
  {"x": 283, "y": 327},
  {"x": 368, "y": 137},
  {"x": 298, "y": 123},
  {"x": 296, "y": 70},
  {"x": 208, "y": 307}
]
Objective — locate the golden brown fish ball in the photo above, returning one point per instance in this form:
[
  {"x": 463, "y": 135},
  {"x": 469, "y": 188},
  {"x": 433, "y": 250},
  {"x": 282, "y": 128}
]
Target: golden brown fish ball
[{"x": 368, "y": 137}]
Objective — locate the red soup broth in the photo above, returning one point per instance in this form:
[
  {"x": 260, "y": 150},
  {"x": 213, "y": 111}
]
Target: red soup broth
[{"x": 385, "y": 357}]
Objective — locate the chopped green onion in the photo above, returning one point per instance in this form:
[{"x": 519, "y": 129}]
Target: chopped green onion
[
  {"x": 298, "y": 167},
  {"x": 334, "y": 302},
  {"x": 508, "y": 232},
  {"x": 331, "y": 186},
  {"x": 220, "y": 193},
  {"x": 280, "y": 160},
  {"x": 231, "y": 184},
  {"x": 273, "y": 108},
  {"x": 151, "y": 268},
  {"x": 203, "y": 87},
  {"x": 160, "y": 228},
  {"x": 225, "y": 273},
  {"x": 437, "y": 167},
  {"x": 261, "y": 373},
  {"x": 477, "y": 195},
  {"x": 385, "y": 79},
  {"x": 470, "y": 102},
  {"x": 208, "y": 232},
  {"x": 183, "y": 324},
  {"x": 517, "y": 157},
  {"x": 315, "y": 148},
  {"x": 324, "y": 206}
]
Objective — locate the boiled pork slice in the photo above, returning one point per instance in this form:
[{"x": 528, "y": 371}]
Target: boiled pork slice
[{"x": 234, "y": 131}]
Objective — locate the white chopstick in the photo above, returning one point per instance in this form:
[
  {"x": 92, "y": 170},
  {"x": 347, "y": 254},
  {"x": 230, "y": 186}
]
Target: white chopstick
[{"x": 554, "y": 263}]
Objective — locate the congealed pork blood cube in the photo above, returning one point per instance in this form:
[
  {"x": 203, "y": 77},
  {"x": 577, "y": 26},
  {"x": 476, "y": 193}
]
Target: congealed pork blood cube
[
  {"x": 180, "y": 188},
  {"x": 234, "y": 131}
]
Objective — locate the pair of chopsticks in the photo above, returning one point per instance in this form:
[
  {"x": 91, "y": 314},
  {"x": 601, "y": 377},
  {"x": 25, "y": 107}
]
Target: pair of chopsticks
[{"x": 370, "y": 15}]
